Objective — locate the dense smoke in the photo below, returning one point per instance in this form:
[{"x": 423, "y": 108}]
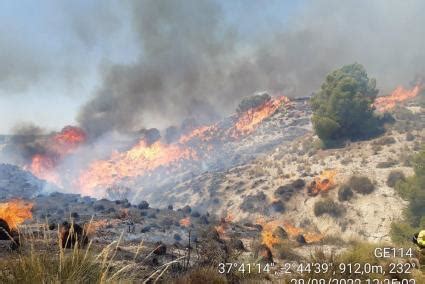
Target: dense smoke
[
  {"x": 28, "y": 140},
  {"x": 190, "y": 54}
]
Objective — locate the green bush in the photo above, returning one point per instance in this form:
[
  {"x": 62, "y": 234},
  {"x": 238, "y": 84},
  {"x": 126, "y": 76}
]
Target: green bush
[
  {"x": 252, "y": 102},
  {"x": 402, "y": 233},
  {"x": 361, "y": 184},
  {"x": 328, "y": 206},
  {"x": 394, "y": 177},
  {"x": 413, "y": 190},
  {"x": 342, "y": 109},
  {"x": 345, "y": 193}
]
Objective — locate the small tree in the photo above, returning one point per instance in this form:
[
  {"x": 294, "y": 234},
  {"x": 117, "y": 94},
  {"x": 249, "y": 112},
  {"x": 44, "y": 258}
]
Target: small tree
[{"x": 342, "y": 109}]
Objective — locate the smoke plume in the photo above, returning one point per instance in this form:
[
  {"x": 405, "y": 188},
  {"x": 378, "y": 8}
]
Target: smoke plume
[{"x": 189, "y": 53}]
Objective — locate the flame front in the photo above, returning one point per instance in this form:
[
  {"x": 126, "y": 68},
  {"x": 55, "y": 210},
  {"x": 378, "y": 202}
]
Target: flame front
[
  {"x": 400, "y": 94},
  {"x": 15, "y": 212},
  {"x": 143, "y": 159},
  {"x": 138, "y": 161},
  {"x": 249, "y": 120}
]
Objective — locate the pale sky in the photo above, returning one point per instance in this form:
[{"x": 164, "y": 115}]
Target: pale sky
[
  {"x": 55, "y": 55},
  {"x": 50, "y": 51}
]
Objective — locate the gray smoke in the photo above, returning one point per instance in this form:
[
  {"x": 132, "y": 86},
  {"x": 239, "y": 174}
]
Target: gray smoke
[{"x": 190, "y": 54}]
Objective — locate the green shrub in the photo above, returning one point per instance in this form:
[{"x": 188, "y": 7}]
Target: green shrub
[
  {"x": 402, "y": 233},
  {"x": 394, "y": 177},
  {"x": 252, "y": 102},
  {"x": 328, "y": 206},
  {"x": 361, "y": 184},
  {"x": 413, "y": 190},
  {"x": 342, "y": 109},
  {"x": 345, "y": 193}
]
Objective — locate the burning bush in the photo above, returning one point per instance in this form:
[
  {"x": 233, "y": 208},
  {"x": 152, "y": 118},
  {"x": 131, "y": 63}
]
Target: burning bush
[
  {"x": 361, "y": 184},
  {"x": 15, "y": 212},
  {"x": 252, "y": 102},
  {"x": 328, "y": 206},
  {"x": 253, "y": 203},
  {"x": 342, "y": 109}
]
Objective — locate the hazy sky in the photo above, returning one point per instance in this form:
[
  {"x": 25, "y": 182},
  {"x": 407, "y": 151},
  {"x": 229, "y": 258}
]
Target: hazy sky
[
  {"x": 60, "y": 60},
  {"x": 50, "y": 51}
]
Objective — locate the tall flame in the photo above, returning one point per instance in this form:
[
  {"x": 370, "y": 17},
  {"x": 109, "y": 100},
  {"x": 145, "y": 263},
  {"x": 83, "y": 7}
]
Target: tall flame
[
  {"x": 15, "y": 212},
  {"x": 136, "y": 162},
  {"x": 142, "y": 159},
  {"x": 400, "y": 94},
  {"x": 249, "y": 120}
]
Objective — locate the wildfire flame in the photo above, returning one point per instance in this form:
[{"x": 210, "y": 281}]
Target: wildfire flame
[
  {"x": 322, "y": 183},
  {"x": 249, "y": 120},
  {"x": 43, "y": 165},
  {"x": 400, "y": 94},
  {"x": 142, "y": 159},
  {"x": 15, "y": 212},
  {"x": 270, "y": 239},
  {"x": 185, "y": 222},
  {"x": 136, "y": 162}
]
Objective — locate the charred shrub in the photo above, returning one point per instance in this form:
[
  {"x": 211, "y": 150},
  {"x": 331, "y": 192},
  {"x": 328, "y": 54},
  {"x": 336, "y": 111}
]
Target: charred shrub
[
  {"x": 328, "y": 206},
  {"x": 285, "y": 192},
  {"x": 4, "y": 230},
  {"x": 410, "y": 136},
  {"x": 387, "y": 140},
  {"x": 253, "y": 203},
  {"x": 387, "y": 164},
  {"x": 72, "y": 234},
  {"x": 298, "y": 183},
  {"x": 361, "y": 184},
  {"x": 345, "y": 193},
  {"x": 99, "y": 207},
  {"x": 143, "y": 205},
  {"x": 212, "y": 250},
  {"x": 278, "y": 206},
  {"x": 394, "y": 177}
]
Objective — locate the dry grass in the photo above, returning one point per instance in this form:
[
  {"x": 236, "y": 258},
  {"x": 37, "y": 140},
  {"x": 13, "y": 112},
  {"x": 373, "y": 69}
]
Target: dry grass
[{"x": 41, "y": 259}]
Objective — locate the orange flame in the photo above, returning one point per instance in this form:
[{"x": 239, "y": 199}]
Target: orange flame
[
  {"x": 270, "y": 239},
  {"x": 142, "y": 159},
  {"x": 15, "y": 212},
  {"x": 58, "y": 146},
  {"x": 249, "y": 120},
  {"x": 139, "y": 160},
  {"x": 185, "y": 222},
  {"x": 400, "y": 94},
  {"x": 322, "y": 183},
  {"x": 43, "y": 167}
]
